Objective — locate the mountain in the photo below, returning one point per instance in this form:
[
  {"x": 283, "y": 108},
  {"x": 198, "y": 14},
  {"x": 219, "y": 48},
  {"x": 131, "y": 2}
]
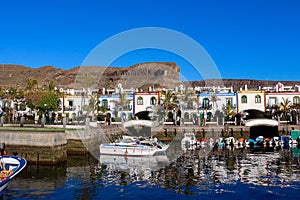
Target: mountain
[
  {"x": 92, "y": 76},
  {"x": 12, "y": 75},
  {"x": 165, "y": 74}
]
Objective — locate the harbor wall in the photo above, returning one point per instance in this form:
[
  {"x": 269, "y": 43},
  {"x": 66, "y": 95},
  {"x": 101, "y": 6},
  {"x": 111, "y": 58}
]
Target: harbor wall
[
  {"x": 36, "y": 147},
  {"x": 51, "y": 147}
]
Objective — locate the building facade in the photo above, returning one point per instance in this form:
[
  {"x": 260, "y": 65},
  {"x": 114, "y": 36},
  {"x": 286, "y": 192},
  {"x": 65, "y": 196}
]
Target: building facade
[
  {"x": 145, "y": 101},
  {"x": 251, "y": 100}
]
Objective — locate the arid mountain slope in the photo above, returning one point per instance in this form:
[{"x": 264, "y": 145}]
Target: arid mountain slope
[{"x": 160, "y": 73}]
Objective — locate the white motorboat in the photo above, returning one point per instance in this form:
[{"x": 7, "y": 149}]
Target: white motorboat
[{"x": 132, "y": 146}]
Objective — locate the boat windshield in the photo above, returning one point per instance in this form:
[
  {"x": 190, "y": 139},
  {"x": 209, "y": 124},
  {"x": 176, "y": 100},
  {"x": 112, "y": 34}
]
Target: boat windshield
[{"x": 128, "y": 140}]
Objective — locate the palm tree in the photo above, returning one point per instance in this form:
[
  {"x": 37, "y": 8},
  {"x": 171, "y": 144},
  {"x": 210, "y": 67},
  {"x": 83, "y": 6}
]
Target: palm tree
[
  {"x": 121, "y": 103},
  {"x": 85, "y": 80},
  {"x": 189, "y": 99},
  {"x": 276, "y": 111},
  {"x": 169, "y": 101},
  {"x": 30, "y": 84},
  {"x": 214, "y": 98},
  {"x": 92, "y": 106},
  {"x": 285, "y": 106},
  {"x": 229, "y": 111}
]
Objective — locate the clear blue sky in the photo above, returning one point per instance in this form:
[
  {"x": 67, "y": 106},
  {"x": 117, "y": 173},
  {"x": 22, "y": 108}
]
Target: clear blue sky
[{"x": 256, "y": 39}]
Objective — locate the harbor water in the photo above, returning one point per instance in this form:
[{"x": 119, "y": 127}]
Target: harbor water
[{"x": 207, "y": 174}]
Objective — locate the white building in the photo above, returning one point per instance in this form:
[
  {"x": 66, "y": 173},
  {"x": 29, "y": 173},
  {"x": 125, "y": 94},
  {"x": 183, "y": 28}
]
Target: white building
[
  {"x": 222, "y": 99},
  {"x": 276, "y": 98},
  {"x": 72, "y": 106},
  {"x": 113, "y": 107},
  {"x": 251, "y": 100},
  {"x": 145, "y": 101}
]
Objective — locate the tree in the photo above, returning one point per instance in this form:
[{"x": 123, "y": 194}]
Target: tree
[
  {"x": 229, "y": 112},
  {"x": 49, "y": 87},
  {"x": 91, "y": 107},
  {"x": 31, "y": 84},
  {"x": 285, "y": 107},
  {"x": 121, "y": 103},
  {"x": 214, "y": 98},
  {"x": 169, "y": 101},
  {"x": 276, "y": 112},
  {"x": 48, "y": 102}
]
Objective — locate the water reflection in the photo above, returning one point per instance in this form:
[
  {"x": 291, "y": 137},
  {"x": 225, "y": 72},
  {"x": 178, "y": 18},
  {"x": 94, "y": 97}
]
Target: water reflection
[
  {"x": 221, "y": 171},
  {"x": 262, "y": 167}
]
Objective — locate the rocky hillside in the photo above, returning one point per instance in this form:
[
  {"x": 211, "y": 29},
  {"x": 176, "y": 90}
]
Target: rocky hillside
[
  {"x": 94, "y": 76},
  {"x": 159, "y": 73},
  {"x": 12, "y": 75}
]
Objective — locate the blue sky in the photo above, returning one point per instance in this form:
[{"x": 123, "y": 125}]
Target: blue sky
[{"x": 252, "y": 39}]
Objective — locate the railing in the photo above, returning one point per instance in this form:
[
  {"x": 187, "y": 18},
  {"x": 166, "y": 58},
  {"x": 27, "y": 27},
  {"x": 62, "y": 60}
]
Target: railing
[{"x": 69, "y": 108}]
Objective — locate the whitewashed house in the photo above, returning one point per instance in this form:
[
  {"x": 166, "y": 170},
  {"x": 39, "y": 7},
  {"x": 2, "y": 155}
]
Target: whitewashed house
[
  {"x": 275, "y": 98},
  {"x": 145, "y": 101},
  {"x": 221, "y": 100},
  {"x": 210, "y": 103},
  {"x": 251, "y": 100},
  {"x": 72, "y": 106},
  {"x": 111, "y": 103}
]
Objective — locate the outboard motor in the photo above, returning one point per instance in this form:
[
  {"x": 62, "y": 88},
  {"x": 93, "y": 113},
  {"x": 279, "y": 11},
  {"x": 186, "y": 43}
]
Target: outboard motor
[{"x": 2, "y": 149}]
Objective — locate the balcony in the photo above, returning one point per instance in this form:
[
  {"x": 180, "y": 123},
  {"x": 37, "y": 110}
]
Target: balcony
[{"x": 69, "y": 108}]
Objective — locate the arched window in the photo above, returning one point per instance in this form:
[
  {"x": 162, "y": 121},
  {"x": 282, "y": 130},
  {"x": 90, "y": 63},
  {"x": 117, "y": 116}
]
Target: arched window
[
  {"x": 296, "y": 100},
  {"x": 244, "y": 99},
  {"x": 105, "y": 103},
  {"x": 205, "y": 103},
  {"x": 153, "y": 101},
  {"x": 140, "y": 101},
  {"x": 257, "y": 99},
  {"x": 229, "y": 101}
]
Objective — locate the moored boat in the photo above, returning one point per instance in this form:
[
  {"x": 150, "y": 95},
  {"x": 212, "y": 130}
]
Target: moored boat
[
  {"x": 10, "y": 167},
  {"x": 132, "y": 146}
]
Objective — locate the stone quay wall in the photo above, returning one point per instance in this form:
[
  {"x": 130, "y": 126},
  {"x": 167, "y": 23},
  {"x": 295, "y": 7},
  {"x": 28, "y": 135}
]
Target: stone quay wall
[
  {"x": 47, "y": 147},
  {"x": 36, "y": 147}
]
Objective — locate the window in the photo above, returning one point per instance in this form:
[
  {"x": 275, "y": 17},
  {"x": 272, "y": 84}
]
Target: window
[
  {"x": 70, "y": 103},
  {"x": 140, "y": 101},
  {"x": 153, "y": 101},
  {"x": 257, "y": 99},
  {"x": 244, "y": 99},
  {"x": 129, "y": 106},
  {"x": 105, "y": 103},
  {"x": 229, "y": 101},
  {"x": 296, "y": 100},
  {"x": 205, "y": 103}
]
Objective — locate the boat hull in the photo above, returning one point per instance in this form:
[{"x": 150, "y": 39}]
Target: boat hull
[
  {"x": 10, "y": 165},
  {"x": 131, "y": 150}
]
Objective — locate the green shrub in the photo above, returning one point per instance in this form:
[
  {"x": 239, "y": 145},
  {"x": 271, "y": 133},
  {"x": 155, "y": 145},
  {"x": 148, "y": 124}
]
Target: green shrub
[
  {"x": 116, "y": 119},
  {"x": 100, "y": 117}
]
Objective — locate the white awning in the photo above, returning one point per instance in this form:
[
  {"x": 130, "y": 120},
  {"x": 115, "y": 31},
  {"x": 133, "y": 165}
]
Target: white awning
[{"x": 261, "y": 122}]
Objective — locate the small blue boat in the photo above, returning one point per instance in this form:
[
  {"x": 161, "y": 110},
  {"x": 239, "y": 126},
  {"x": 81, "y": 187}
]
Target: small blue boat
[{"x": 10, "y": 166}]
